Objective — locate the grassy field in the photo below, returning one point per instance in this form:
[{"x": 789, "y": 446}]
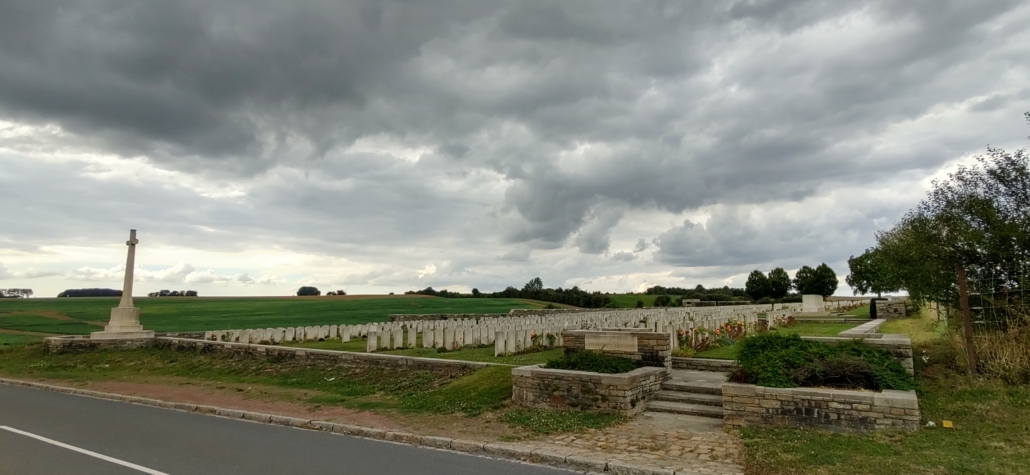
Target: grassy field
[
  {"x": 84, "y": 315},
  {"x": 630, "y": 300},
  {"x": 9, "y": 340},
  {"x": 803, "y": 329},
  {"x": 991, "y": 433}
]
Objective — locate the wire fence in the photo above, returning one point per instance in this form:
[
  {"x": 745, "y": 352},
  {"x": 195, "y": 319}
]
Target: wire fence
[
  {"x": 999, "y": 299},
  {"x": 999, "y": 304}
]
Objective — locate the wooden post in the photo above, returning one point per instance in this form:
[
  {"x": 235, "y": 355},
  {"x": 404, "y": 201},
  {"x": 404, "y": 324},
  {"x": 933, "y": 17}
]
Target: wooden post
[{"x": 967, "y": 321}]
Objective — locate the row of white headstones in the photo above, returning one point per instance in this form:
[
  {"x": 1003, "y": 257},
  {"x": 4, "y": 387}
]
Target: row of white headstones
[{"x": 511, "y": 334}]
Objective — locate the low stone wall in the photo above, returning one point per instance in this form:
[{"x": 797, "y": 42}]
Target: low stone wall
[
  {"x": 832, "y": 409},
  {"x": 624, "y": 393},
  {"x": 646, "y": 347},
  {"x": 890, "y": 308},
  {"x": 704, "y": 364},
  {"x": 326, "y": 356},
  {"x": 65, "y": 344}
]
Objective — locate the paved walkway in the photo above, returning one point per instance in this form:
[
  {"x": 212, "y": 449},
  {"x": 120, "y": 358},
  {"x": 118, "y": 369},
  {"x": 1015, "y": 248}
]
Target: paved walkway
[
  {"x": 657, "y": 439},
  {"x": 660, "y": 439}
]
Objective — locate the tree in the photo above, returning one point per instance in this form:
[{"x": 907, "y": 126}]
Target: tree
[
  {"x": 476, "y": 293},
  {"x": 978, "y": 219},
  {"x": 662, "y": 301},
  {"x": 307, "y": 290},
  {"x": 534, "y": 285},
  {"x": 757, "y": 285},
  {"x": 871, "y": 272},
  {"x": 640, "y": 304},
  {"x": 819, "y": 281},
  {"x": 779, "y": 283}
]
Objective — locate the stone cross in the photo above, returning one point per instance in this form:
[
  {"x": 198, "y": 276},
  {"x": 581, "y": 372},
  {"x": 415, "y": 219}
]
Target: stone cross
[
  {"x": 130, "y": 266},
  {"x": 124, "y": 323}
]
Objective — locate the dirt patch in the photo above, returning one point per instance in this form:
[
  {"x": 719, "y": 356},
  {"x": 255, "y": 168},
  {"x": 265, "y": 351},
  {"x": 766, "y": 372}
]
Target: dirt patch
[
  {"x": 40, "y": 313},
  {"x": 19, "y": 332}
]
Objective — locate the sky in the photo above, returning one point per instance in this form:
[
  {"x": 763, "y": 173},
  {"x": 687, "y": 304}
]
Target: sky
[{"x": 381, "y": 146}]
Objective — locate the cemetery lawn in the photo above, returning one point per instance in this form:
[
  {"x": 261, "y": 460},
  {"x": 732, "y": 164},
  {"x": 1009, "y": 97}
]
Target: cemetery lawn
[
  {"x": 483, "y": 354},
  {"x": 80, "y": 316},
  {"x": 861, "y": 312},
  {"x": 803, "y": 329}
]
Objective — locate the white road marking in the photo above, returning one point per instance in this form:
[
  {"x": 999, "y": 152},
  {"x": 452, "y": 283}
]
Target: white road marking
[{"x": 84, "y": 451}]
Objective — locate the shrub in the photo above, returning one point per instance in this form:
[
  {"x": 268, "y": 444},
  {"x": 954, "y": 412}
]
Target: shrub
[
  {"x": 592, "y": 361},
  {"x": 640, "y": 304},
  {"x": 785, "y": 361}
]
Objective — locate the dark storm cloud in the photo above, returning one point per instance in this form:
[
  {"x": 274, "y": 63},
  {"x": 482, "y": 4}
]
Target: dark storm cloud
[{"x": 528, "y": 126}]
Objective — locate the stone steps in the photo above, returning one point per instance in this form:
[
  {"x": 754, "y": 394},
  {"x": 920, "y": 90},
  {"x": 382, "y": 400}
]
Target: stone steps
[
  {"x": 691, "y": 393},
  {"x": 702, "y": 410},
  {"x": 704, "y": 364},
  {"x": 700, "y": 387},
  {"x": 689, "y": 398}
]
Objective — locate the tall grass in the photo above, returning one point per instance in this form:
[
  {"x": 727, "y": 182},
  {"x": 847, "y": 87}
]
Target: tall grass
[{"x": 1005, "y": 353}]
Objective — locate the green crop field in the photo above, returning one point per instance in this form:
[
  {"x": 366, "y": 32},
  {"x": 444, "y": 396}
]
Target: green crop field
[
  {"x": 630, "y": 300},
  {"x": 83, "y": 315}
]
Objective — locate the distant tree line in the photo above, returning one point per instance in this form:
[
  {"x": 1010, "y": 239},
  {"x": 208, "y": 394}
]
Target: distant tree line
[
  {"x": 15, "y": 293},
  {"x": 172, "y": 293},
  {"x": 90, "y": 293},
  {"x": 777, "y": 285},
  {"x": 723, "y": 294},
  {"x": 534, "y": 289},
  {"x": 308, "y": 290}
]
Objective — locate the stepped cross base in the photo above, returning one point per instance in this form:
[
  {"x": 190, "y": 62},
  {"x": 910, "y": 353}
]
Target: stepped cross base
[{"x": 124, "y": 325}]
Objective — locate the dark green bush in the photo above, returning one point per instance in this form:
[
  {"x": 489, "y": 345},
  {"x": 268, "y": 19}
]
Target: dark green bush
[
  {"x": 786, "y": 361},
  {"x": 592, "y": 361}
]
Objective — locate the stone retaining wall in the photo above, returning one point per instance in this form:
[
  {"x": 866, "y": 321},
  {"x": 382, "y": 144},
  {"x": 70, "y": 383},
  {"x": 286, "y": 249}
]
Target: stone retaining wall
[
  {"x": 651, "y": 348},
  {"x": 704, "y": 364},
  {"x": 451, "y": 367},
  {"x": 64, "y": 344},
  {"x": 326, "y": 356},
  {"x": 624, "y": 393},
  {"x": 890, "y": 308},
  {"x": 832, "y": 409}
]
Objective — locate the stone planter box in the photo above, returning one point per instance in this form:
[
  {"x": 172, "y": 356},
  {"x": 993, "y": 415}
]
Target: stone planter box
[
  {"x": 831, "y": 409},
  {"x": 623, "y": 393}
]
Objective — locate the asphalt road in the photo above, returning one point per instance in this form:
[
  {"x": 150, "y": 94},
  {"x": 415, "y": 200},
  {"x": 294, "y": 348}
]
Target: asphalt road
[{"x": 179, "y": 443}]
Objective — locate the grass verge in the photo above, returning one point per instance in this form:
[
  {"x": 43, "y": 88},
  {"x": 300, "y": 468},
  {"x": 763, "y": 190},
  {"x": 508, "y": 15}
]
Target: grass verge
[
  {"x": 382, "y": 390},
  {"x": 540, "y": 421}
]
